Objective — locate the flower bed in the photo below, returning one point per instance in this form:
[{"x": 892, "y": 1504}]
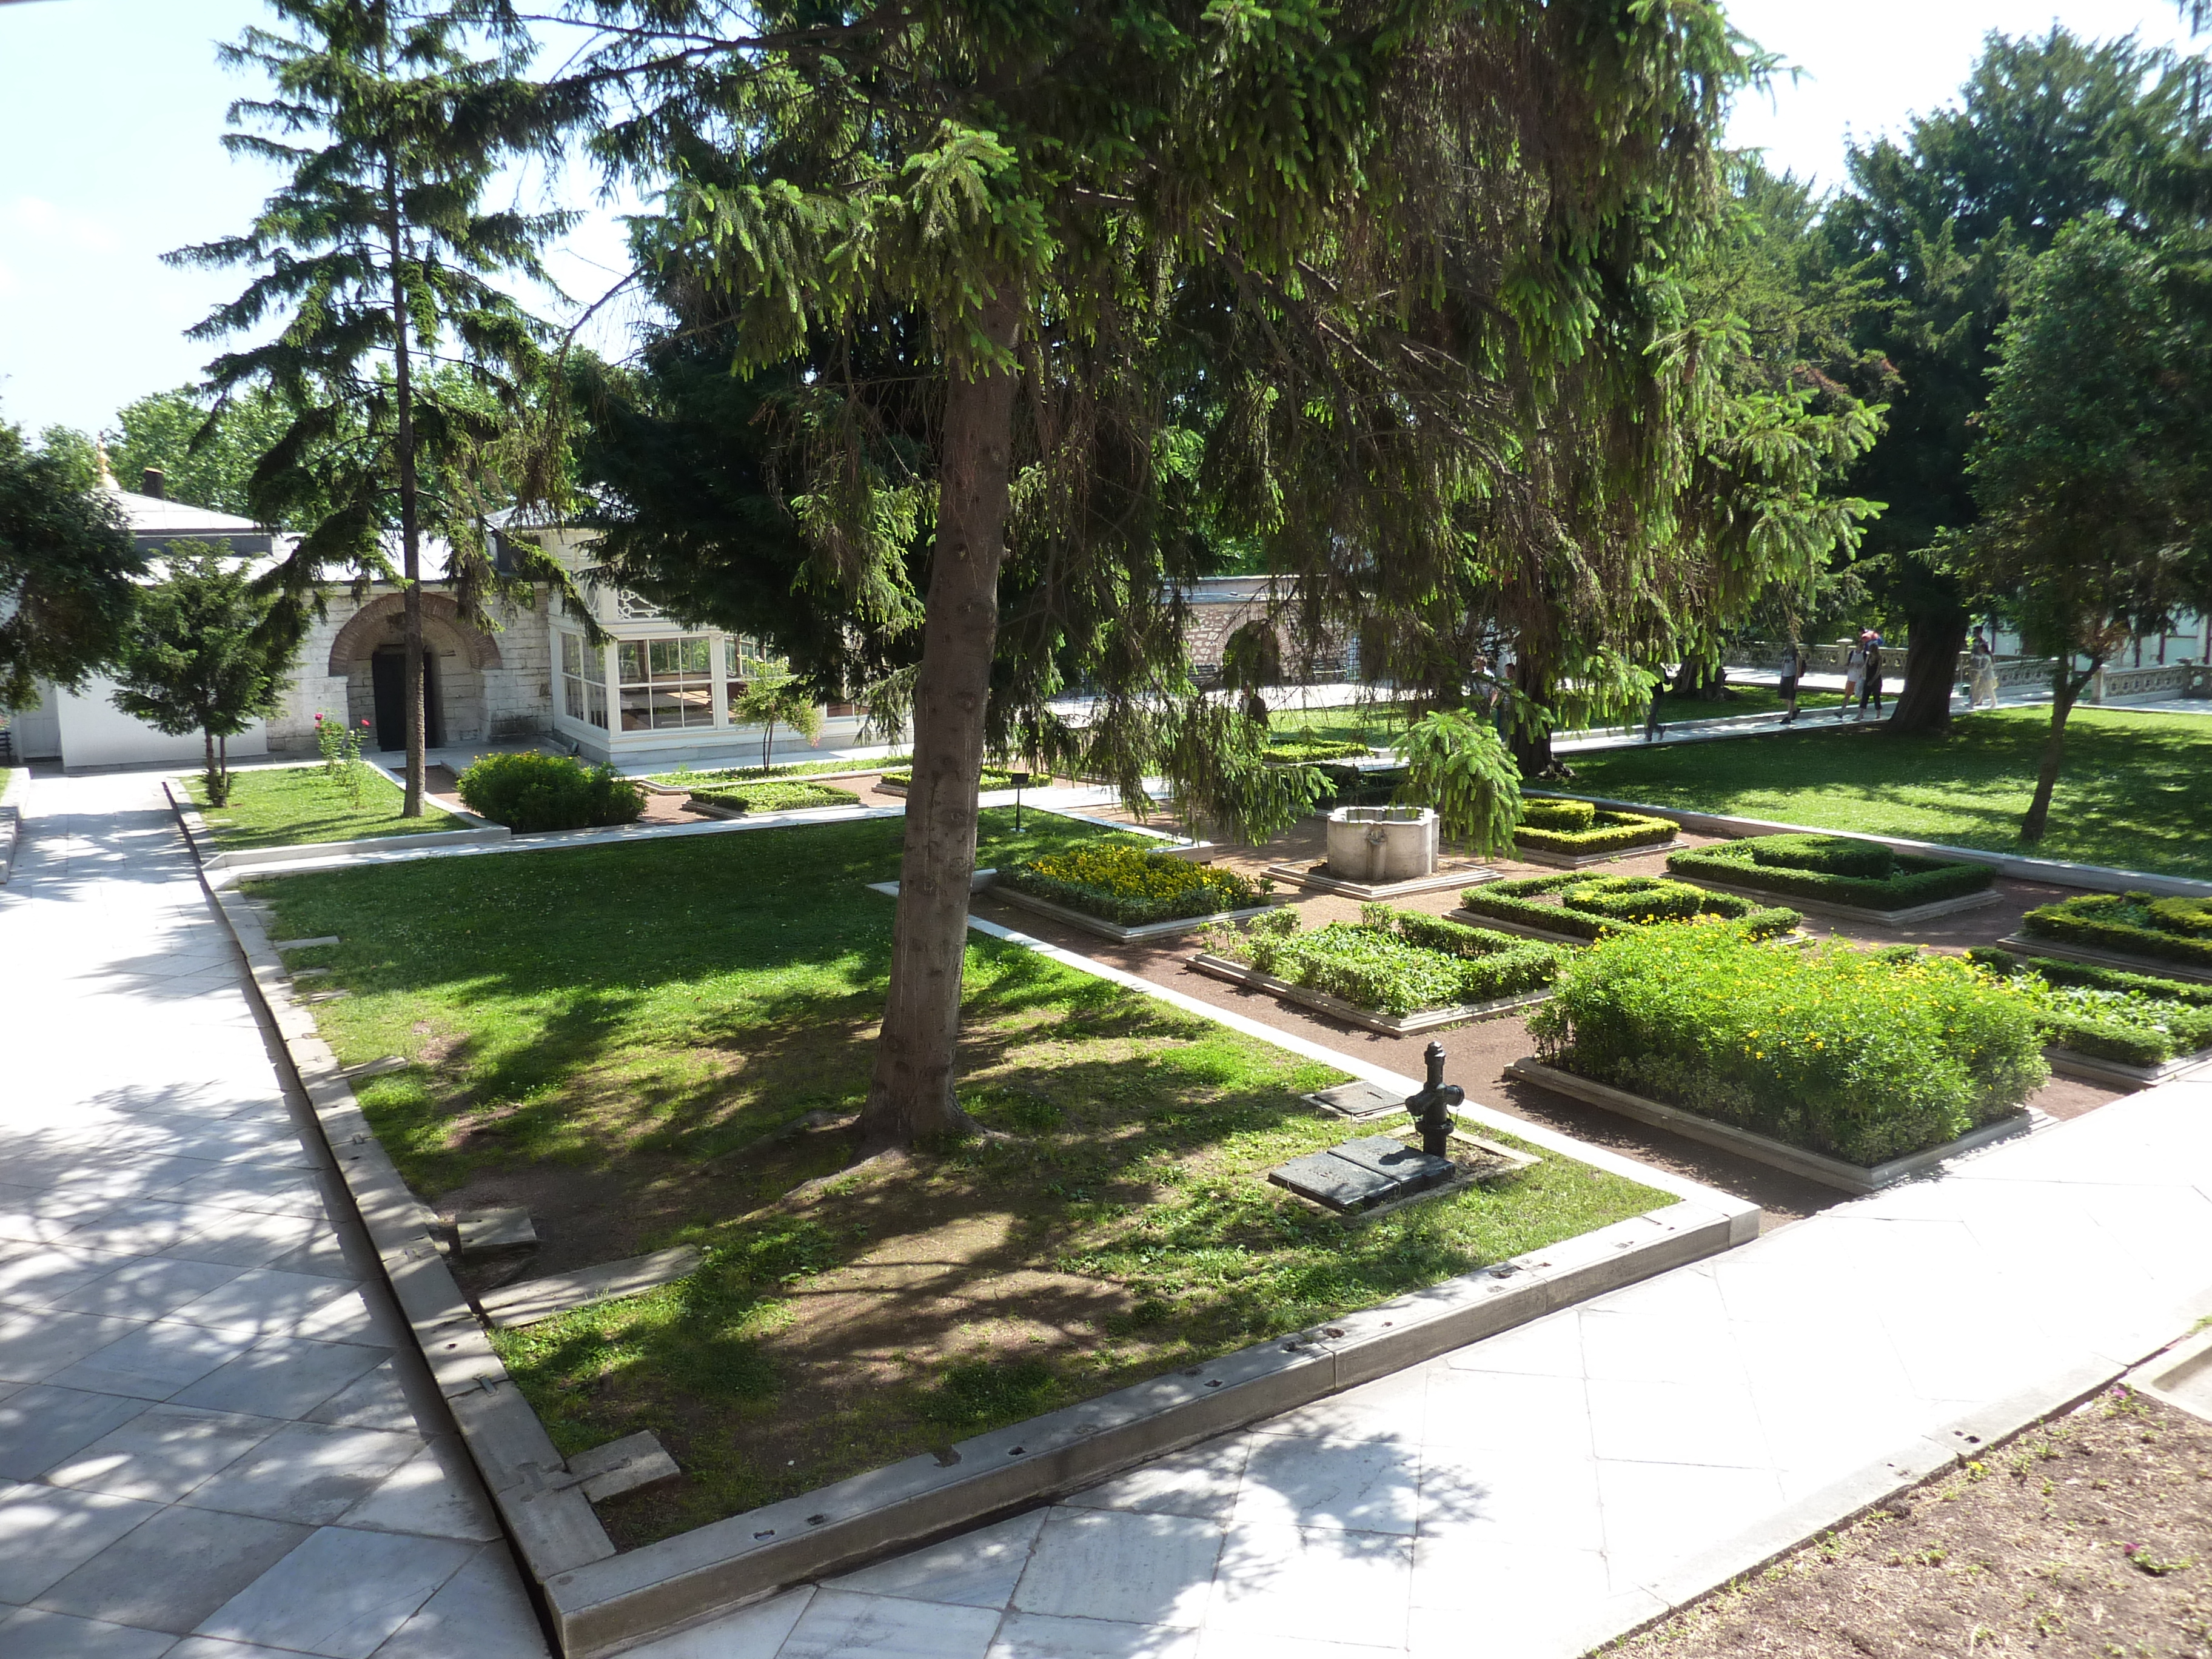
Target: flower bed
[
  {"x": 2136, "y": 1019},
  {"x": 1122, "y": 882},
  {"x": 993, "y": 778},
  {"x": 1832, "y": 870},
  {"x": 1575, "y": 827},
  {"x": 2132, "y": 924},
  {"x": 1390, "y": 962},
  {"x": 1849, "y": 1053},
  {"x": 1602, "y": 907},
  {"x": 775, "y": 795}
]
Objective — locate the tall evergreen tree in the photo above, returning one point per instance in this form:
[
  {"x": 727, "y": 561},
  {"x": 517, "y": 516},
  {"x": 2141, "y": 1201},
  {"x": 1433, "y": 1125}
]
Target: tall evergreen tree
[
  {"x": 391, "y": 118},
  {"x": 1403, "y": 235}
]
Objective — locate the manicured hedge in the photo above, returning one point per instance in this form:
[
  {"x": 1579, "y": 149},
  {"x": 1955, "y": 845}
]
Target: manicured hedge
[
  {"x": 1297, "y": 750},
  {"x": 1598, "y": 906},
  {"x": 1600, "y": 832},
  {"x": 993, "y": 778},
  {"x": 1391, "y": 961},
  {"x": 1828, "y": 1048},
  {"x": 2137, "y": 1019},
  {"x": 529, "y": 791},
  {"x": 1568, "y": 817},
  {"x": 1119, "y": 882},
  {"x": 2132, "y": 924},
  {"x": 775, "y": 795},
  {"x": 1354, "y": 786},
  {"x": 1832, "y": 870}
]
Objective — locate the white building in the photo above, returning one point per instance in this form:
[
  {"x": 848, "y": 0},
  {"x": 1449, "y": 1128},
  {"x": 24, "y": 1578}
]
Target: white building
[{"x": 657, "y": 695}]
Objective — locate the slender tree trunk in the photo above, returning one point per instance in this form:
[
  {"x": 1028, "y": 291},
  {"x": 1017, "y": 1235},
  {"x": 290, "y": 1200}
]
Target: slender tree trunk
[
  {"x": 1931, "y": 669},
  {"x": 214, "y": 782},
  {"x": 1532, "y": 750},
  {"x": 410, "y": 528},
  {"x": 2065, "y": 687},
  {"x": 911, "y": 1093}
]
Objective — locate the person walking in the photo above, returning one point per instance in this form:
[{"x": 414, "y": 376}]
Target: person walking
[
  {"x": 1870, "y": 677},
  {"x": 1981, "y": 688},
  {"x": 1652, "y": 728},
  {"x": 1854, "y": 672},
  {"x": 1792, "y": 665}
]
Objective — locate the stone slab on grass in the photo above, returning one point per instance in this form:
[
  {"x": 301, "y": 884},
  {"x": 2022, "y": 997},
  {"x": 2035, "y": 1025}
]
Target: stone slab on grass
[
  {"x": 483, "y": 1231},
  {"x": 535, "y": 1299}
]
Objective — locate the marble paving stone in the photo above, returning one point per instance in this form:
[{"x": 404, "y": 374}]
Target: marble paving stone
[
  {"x": 1358, "y": 1485},
  {"x": 1314, "y": 1583},
  {"x": 1533, "y": 1490},
  {"x": 244, "y": 1240},
  {"x": 40, "y": 1426},
  {"x": 162, "y": 1453},
  {"x": 435, "y": 1493},
  {"x": 376, "y": 1399},
  {"x": 1388, "y": 1409},
  {"x": 1494, "y": 1576},
  {"x": 1501, "y": 1411},
  {"x": 1550, "y": 1347},
  {"x": 34, "y": 1346},
  {"x": 322, "y": 1255},
  {"x": 146, "y": 1288},
  {"x": 481, "y": 1613},
  {"x": 27, "y": 1633},
  {"x": 262, "y": 1299},
  {"x": 32, "y": 1278},
  {"x": 1200, "y": 1482},
  {"x": 46, "y": 1533},
  {"x": 1135, "y": 1569},
  {"x": 141, "y": 1227},
  {"x": 755, "y": 1632},
  {"x": 1037, "y": 1635},
  {"x": 311, "y": 1473},
  {"x": 1242, "y": 1645},
  {"x": 1710, "y": 1420},
  {"x": 340, "y": 1594},
  {"x": 286, "y": 1376},
  {"x": 1652, "y": 1508},
  {"x": 840, "y": 1624},
  {"x": 978, "y": 1568},
  {"x": 352, "y": 1318},
  {"x": 1619, "y": 1346},
  {"x": 154, "y": 1361},
  {"x": 172, "y": 1571},
  {"x": 210, "y": 1647}
]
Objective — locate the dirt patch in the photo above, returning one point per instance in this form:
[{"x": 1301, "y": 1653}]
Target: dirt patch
[{"x": 2091, "y": 1535}]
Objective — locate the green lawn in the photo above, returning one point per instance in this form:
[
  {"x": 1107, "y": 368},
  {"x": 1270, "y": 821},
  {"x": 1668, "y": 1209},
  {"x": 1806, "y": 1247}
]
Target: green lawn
[
  {"x": 1381, "y": 723},
  {"x": 2136, "y": 793},
  {"x": 290, "y": 805},
  {"x": 653, "y": 1043},
  {"x": 1740, "y": 699}
]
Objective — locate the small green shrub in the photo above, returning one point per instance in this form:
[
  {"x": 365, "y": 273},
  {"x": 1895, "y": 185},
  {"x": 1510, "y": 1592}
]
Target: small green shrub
[
  {"x": 1126, "y": 883},
  {"x": 1831, "y": 855},
  {"x": 1755, "y": 861},
  {"x": 530, "y": 792},
  {"x": 2186, "y": 916},
  {"x": 2127, "y": 923},
  {"x": 1303, "y": 746},
  {"x": 1828, "y": 1048},
  {"x": 773, "y": 795},
  {"x": 1356, "y": 786},
  {"x": 1548, "y": 902},
  {"x": 1636, "y": 899},
  {"x": 1567, "y": 815},
  {"x": 994, "y": 777},
  {"x": 1601, "y": 832},
  {"x": 1391, "y": 961}
]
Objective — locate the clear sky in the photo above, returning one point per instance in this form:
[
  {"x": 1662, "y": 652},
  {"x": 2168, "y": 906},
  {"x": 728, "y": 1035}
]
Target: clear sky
[{"x": 112, "y": 112}]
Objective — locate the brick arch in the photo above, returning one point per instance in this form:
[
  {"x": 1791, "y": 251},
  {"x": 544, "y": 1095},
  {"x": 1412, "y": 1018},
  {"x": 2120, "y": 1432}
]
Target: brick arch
[{"x": 370, "y": 628}]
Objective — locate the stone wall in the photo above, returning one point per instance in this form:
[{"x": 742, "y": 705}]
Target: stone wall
[{"x": 492, "y": 688}]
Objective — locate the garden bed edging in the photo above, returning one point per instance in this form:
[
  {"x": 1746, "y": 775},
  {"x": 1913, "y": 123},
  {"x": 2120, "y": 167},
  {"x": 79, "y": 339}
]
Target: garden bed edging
[
  {"x": 1428, "y": 1019},
  {"x": 1829, "y": 908},
  {"x": 1114, "y": 930},
  {"x": 2154, "y": 967},
  {"x": 1765, "y": 1149}
]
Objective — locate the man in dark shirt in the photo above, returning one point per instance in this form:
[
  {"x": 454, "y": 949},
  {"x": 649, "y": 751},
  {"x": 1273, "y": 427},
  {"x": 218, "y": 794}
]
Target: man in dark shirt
[{"x": 1871, "y": 686}]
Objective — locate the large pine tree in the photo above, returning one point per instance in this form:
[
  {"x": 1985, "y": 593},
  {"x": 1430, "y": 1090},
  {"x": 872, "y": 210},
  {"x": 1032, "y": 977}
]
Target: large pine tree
[{"x": 398, "y": 357}]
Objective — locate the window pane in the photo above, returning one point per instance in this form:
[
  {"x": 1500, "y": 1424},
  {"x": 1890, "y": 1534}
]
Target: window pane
[
  {"x": 629, "y": 661},
  {"x": 572, "y": 654},
  {"x": 636, "y": 708}
]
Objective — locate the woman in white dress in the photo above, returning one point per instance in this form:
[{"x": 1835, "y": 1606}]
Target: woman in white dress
[{"x": 1854, "y": 673}]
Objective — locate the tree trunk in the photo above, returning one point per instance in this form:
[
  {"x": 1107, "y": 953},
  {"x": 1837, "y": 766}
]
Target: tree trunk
[
  {"x": 207, "y": 770},
  {"x": 1931, "y": 669},
  {"x": 911, "y": 1094},
  {"x": 410, "y": 528},
  {"x": 2065, "y": 687},
  {"x": 1532, "y": 750}
]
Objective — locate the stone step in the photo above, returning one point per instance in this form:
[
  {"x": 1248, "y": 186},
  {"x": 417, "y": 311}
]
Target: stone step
[{"x": 535, "y": 1300}]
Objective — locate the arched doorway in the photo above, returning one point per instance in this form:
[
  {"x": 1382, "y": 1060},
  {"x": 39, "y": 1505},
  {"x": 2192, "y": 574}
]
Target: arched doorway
[{"x": 388, "y": 673}]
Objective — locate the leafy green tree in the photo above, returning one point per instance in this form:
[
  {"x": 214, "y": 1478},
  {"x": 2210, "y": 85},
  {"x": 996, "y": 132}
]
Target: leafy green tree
[
  {"x": 199, "y": 656},
  {"x": 1402, "y": 236},
  {"x": 2091, "y": 471},
  {"x": 398, "y": 361},
  {"x": 774, "y": 696},
  {"x": 207, "y": 454},
  {"x": 1938, "y": 221},
  {"x": 66, "y": 569}
]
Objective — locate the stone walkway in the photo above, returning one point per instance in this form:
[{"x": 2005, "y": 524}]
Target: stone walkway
[
  {"x": 1534, "y": 1494},
  {"x": 216, "y": 1441}
]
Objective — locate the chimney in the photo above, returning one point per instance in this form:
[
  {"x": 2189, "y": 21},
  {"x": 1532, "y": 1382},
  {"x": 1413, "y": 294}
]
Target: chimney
[{"x": 153, "y": 483}]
